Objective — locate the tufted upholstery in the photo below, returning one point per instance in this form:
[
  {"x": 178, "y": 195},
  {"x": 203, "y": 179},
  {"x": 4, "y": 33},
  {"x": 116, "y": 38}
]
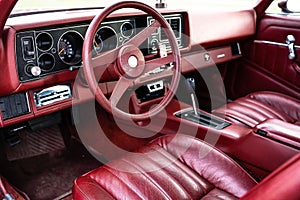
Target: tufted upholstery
[
  {"x": 260, "y": 106},
  {"x": 170, "y": 167}
]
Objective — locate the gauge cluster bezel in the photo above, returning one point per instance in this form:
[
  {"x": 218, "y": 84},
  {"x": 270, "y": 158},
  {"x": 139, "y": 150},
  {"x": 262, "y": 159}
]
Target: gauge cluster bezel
[{"x": 55, "y": 34}]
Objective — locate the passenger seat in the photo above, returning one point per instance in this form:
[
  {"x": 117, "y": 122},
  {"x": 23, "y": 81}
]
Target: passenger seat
[{"x": 257, "y": 107}]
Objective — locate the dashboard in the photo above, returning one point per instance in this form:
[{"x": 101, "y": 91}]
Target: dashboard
[{"x": 44, "y": 51}]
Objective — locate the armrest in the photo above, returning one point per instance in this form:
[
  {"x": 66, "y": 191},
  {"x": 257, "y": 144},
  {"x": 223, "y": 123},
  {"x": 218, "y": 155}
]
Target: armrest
[{"x": 279, "y": 130}]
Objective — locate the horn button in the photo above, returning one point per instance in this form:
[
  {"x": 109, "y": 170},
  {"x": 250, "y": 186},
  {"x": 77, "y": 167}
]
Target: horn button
[{"x": 131, "y": 61}]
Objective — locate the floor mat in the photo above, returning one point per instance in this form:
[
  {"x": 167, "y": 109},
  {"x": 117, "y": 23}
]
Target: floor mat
[
  {"x": 50, "y": 175},
  {"x": 34, "y": 143}
]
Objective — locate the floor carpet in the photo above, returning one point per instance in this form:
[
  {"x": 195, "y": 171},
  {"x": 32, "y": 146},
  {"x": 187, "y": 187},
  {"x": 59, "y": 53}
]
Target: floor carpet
[{"x": 50, "y": 175}]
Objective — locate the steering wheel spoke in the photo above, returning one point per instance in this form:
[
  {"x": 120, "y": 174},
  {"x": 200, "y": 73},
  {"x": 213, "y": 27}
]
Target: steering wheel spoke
[
  {"x": 105, "y": 58},
  {"x": 153, "y": 64},
  {"x": 139, "y": 38},
  {"x": 121, "y": 87}
]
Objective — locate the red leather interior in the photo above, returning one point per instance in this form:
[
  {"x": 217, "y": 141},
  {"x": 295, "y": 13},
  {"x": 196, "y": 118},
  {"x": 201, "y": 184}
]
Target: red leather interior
[
  {"x": 281, "y": 131},
  {"x": 170, "y": 167},
  {"x": 259, "y": 106},
  {"x": 200, "y": 172},
  {"x": 281, "y": 184},
  {"x": 265, "y": 64}
]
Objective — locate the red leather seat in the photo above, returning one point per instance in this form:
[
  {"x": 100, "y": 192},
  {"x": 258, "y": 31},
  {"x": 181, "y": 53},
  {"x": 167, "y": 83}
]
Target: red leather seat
[
  {"x": 182, "y": 167},
  {"x": 260, "y": 106},
  {"x": 170, "y": 167}
]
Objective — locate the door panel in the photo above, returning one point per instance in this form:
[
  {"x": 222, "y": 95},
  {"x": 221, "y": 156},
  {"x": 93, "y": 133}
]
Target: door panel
[{"x": 265, "y": 64}]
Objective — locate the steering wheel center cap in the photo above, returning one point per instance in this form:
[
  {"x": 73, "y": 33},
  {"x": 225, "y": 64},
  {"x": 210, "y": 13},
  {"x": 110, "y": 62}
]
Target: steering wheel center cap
[{"x": 131, "y": 62}]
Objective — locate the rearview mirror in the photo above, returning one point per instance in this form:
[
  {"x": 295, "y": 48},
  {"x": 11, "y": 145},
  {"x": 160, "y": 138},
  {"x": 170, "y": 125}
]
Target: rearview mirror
[
  {"x": 293, "y": 5},
  {"x": 289, "y": 6}
]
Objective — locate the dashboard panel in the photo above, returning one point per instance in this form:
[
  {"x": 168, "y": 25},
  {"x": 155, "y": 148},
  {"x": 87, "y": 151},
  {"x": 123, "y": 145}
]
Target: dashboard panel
[{"x": 45, "y": 51}]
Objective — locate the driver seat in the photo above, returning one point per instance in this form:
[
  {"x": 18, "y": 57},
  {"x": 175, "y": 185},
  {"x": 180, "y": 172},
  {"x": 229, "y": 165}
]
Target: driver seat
[{"x": 172, "y": 167}]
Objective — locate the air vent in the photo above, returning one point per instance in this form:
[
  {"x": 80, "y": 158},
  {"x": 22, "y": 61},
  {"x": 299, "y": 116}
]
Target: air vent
[
  {"x": 14, "y": 105},
  {"x": 52, "y": 94}
]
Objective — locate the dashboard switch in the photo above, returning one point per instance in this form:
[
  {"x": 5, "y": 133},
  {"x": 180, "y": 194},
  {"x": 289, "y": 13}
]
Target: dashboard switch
[{"x": 28, "y": 48}]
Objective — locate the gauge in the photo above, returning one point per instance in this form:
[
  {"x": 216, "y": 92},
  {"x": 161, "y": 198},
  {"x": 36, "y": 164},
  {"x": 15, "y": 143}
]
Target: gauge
[
  {"x": 98, "y": 43},
  {"x": 105, "y": 39},
  {"x": 66, "y": 50},
  {"x": 46, "y": 62},
  {"x": 127, "y": 29},
  {"x": 70, "y": 48},
  {"x": 44, "y": 41}
]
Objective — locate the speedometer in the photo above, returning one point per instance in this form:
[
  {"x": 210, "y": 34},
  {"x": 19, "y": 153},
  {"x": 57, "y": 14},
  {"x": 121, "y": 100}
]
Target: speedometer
[
  {"x": 70, "y": 48},
  {"x": 66, "y": 49}
]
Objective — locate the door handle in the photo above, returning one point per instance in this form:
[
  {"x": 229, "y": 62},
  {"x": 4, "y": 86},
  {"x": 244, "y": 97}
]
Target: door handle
[{"x": 290, "y": 41}]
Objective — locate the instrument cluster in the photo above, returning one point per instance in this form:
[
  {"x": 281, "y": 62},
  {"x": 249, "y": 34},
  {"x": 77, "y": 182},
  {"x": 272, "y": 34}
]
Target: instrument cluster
[{"x": 50, "y": 50}]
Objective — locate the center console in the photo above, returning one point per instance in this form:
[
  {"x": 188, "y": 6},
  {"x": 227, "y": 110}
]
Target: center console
[
  {"x": 203, "y": 118},
  {"x": 257, "y": 154}
]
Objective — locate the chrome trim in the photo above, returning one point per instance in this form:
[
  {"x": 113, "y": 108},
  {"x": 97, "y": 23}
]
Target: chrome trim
[
  {"x": 132, "y": 30},
  {"x": 108, "y": 27},
  {"x": 52, "y": 41},
  {"x": 27, "y": 101},
  {"x": 52, "y": 94},
  {"x": 274, "y": 43},
  {"x": 38, "y": 62},
  {"x": 156, "y": 86},
  {"x": 58, "y": 41},
  {"x": 239, "y": 48},
  {"x": 221, "y": 56}
]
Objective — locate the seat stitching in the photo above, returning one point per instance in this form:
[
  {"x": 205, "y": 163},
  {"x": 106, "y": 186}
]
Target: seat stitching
[
  {"x": 148, "y": 178},
  {"x": 267, "y": 111},
  {"x": 120, "y": 179},
  {"x": 241, "y": 117},
  {"x": 245, "y": 105},
  {"x": 219, "y": 190},
  {"x": 272, "y": 110},
  {"x": 185, "y": 168},
  {"x": 92, "y": 183}
]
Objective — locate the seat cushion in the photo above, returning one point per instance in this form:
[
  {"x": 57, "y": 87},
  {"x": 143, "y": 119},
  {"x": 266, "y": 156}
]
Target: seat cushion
[
  {"x": 259, "y": 106},
  {"x": 170, "y": 167}
]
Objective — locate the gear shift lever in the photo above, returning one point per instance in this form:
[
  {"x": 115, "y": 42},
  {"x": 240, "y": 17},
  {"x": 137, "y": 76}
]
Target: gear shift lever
[{"x": 189, "y": 82}]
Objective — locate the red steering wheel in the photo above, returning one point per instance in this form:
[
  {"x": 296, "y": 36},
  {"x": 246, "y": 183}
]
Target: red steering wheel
[{"x": 128, "y": 63}]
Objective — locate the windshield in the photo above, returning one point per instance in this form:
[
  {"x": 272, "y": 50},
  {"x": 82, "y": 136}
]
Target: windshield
[{"x": 24, "y": 6}]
